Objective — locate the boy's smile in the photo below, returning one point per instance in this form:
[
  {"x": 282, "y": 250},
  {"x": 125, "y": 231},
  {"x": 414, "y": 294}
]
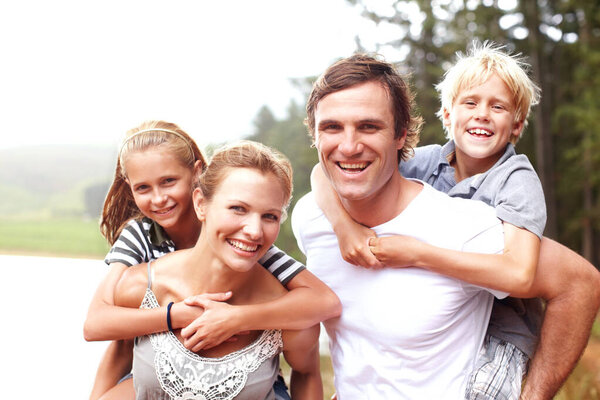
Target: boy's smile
[{"x": 482, "y": 122}]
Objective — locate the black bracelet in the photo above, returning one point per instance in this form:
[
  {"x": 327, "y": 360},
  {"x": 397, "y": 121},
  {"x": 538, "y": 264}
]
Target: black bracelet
[{"x": 169, "y": 317}]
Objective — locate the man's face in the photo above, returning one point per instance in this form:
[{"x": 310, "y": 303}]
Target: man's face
[{"x": 354, "y": 132}]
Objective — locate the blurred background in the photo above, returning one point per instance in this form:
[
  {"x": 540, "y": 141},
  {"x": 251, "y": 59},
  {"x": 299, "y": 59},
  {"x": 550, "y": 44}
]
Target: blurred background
[{"x": 77, "y": 75}]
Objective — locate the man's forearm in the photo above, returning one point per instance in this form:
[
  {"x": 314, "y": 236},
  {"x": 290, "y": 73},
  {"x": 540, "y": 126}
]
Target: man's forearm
[{"x": 572, "y": 291}]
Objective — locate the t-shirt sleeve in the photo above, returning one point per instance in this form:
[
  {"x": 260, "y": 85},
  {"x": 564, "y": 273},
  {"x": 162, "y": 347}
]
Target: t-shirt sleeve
[
  {"x": 129, "y": 247},
  {"x": 488, "y": 241},
  {"x": 520, "y": 199},
  {"x": 282, "y": 266}
]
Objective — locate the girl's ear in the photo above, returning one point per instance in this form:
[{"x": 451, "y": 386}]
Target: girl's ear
[{"x": 199, "y": 204}]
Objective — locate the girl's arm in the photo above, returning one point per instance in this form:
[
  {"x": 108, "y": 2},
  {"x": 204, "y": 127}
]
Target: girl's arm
[
  {"x": 115, "y": 364},
  {"x": 301, "y": 351},
  {"x": 107, "y": 321},
  {"x": 512, "y": 272},
  {"x": 308, "y": 302},
  {"x": 352, "y": 237}
]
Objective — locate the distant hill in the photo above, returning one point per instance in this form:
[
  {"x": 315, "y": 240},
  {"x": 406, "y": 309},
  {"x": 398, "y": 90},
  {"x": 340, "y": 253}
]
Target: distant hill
[{"x": 51, "y": 180}]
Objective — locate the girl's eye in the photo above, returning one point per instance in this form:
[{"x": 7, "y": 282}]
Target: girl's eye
[
  {"x": 169, "y": 180},
  {"x": 142, "y": 188}
]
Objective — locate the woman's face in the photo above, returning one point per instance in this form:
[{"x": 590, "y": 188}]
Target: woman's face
[{"x": 242, "y": 219}]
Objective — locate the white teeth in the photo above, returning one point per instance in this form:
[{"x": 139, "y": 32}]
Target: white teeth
[
  {"x": 478, "y": 131},
  {"x": 362, "y": 165},
  {"x": 242, "y": 246}
]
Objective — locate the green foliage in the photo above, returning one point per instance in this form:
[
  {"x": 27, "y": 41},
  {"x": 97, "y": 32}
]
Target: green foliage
[{"x": 71, "y": 237}]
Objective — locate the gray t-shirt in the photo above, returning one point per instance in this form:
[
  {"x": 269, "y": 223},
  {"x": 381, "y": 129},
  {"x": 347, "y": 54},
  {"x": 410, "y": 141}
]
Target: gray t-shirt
[{"x": 513, "y": 188}]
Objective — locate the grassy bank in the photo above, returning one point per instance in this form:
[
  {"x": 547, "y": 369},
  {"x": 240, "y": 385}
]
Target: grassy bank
[{"x": 69, "y": 237}]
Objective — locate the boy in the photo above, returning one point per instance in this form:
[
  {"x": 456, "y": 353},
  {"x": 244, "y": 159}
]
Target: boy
[{"x": 486, "y": 98}]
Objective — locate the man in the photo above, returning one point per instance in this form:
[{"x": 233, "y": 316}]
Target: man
[{"x": 403, "y": 333}]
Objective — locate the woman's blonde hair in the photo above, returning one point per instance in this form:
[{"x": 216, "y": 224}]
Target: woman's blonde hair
[
  {"x": 119, "y": 205},
  {"x": 247, "y": 154},
  {"x": 477, "y": 66}
]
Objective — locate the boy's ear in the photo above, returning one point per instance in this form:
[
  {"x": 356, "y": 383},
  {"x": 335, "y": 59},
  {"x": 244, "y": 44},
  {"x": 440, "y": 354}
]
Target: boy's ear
[
  {"x": 446, "y": 117},
  {"x": 517, "y": 128},
  {"x": 199, "y": 204}
]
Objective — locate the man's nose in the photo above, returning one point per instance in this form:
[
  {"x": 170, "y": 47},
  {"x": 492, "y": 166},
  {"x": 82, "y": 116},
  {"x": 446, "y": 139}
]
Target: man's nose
[{"x": 350, "y": 143}]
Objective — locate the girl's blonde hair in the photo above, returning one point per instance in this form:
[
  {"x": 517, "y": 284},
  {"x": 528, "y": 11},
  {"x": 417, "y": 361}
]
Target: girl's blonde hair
[
  {"x": 482, "y": 61},
  {"x": 119, "y": 205},
  {"x": 247, "y": 154}
]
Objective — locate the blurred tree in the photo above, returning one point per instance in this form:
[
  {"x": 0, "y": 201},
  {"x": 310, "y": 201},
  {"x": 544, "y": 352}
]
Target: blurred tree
[
  {"x": 290, "y": 136},
  {"x": 560, "y": 41}
]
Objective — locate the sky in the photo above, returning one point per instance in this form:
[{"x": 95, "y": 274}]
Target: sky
[{"x": 84, "y": 72}]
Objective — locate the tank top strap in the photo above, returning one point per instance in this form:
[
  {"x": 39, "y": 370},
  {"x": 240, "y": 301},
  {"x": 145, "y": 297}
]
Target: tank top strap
[{"x": 150, "y": 274}]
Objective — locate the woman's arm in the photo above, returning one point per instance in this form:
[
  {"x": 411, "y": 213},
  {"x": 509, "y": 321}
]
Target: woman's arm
[
  {"x": 108, "y": 321},
  {"x": 352, "y": 237},
  {"x": 301, "y": 351},
  {"x": 308, "y": 302},
  {"x": 512, "y": 272}
]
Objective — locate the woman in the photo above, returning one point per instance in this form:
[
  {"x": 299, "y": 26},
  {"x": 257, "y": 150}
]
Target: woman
[{"x": 241, "y": 201}]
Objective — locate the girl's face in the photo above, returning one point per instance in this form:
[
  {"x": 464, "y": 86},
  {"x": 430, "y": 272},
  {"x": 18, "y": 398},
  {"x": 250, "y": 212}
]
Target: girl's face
[
  {"x": 161, "y": 186},
  {"x": 242, "y": 219}
]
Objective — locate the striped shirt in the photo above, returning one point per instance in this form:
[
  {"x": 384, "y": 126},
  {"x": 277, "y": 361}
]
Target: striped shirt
[{"x": 144, "y": 240}]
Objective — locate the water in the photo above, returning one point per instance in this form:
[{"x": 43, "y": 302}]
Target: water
[{"x": 44, "y": 304}]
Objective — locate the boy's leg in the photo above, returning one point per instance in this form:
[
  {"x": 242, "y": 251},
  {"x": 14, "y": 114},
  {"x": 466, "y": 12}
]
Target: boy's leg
[
  {"x": 498, "y": 373},
  {"x": 115, "y": 364}
]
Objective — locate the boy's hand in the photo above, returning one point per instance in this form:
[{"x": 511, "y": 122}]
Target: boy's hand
[
  {"x": 354, "y": 246},
  {"x": 216, "y": 325},
  {"x": 394, "y": 251}
]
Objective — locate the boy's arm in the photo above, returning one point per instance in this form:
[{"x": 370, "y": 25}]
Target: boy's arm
[
  {"x": 352, "y": 237},
  {"x": 301, "y": 351},
  {"x": 107, "y": 321},
  {"x": 571, "y": 287},
  {"x": 308, "y": 302},
  {"x": 115, "y": 364},
  {"x": 512, "y": 272}
]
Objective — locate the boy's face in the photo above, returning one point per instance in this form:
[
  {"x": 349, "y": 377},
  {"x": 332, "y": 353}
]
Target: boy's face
[{"x": 482, "y": 122}]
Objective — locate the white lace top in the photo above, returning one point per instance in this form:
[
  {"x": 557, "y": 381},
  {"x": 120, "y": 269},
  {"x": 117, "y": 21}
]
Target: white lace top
[{"x": 164, "y": 369}]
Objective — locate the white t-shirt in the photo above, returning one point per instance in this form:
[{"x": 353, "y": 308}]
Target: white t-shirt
[{"x": 404, "y": 333}]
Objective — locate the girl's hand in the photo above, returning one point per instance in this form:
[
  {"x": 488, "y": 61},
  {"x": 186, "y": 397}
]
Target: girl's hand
[
  {"x": 353, "y": 241},
  {"x": 394, "y": 251},
  {"x": 216, "y": 325}
]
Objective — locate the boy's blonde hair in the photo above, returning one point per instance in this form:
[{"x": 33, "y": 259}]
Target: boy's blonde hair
[{"x": 482, "y": 61}]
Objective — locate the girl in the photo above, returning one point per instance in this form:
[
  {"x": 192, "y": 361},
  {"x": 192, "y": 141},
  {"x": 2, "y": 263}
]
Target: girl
[
  {"x": 240, "y": 201},
  {"x": 148, "y": 212}
]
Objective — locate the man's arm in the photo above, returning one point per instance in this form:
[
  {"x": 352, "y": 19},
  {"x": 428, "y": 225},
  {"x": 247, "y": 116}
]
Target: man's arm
[{"x": 571, "y": 287}]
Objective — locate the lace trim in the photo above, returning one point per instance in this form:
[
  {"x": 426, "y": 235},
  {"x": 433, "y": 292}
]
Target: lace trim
[{"x": 185, "y": 375}]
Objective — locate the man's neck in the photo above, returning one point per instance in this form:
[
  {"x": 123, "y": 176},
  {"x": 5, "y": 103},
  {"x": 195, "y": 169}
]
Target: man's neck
[{"x": 384, "y": 205}]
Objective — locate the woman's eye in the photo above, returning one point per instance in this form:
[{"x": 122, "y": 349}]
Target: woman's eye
[
  {"x": 237, "y": 208},
  {"x": 272, "y": 217}
]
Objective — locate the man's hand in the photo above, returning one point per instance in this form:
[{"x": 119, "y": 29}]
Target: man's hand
[{"x": 214, "y": 326}]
